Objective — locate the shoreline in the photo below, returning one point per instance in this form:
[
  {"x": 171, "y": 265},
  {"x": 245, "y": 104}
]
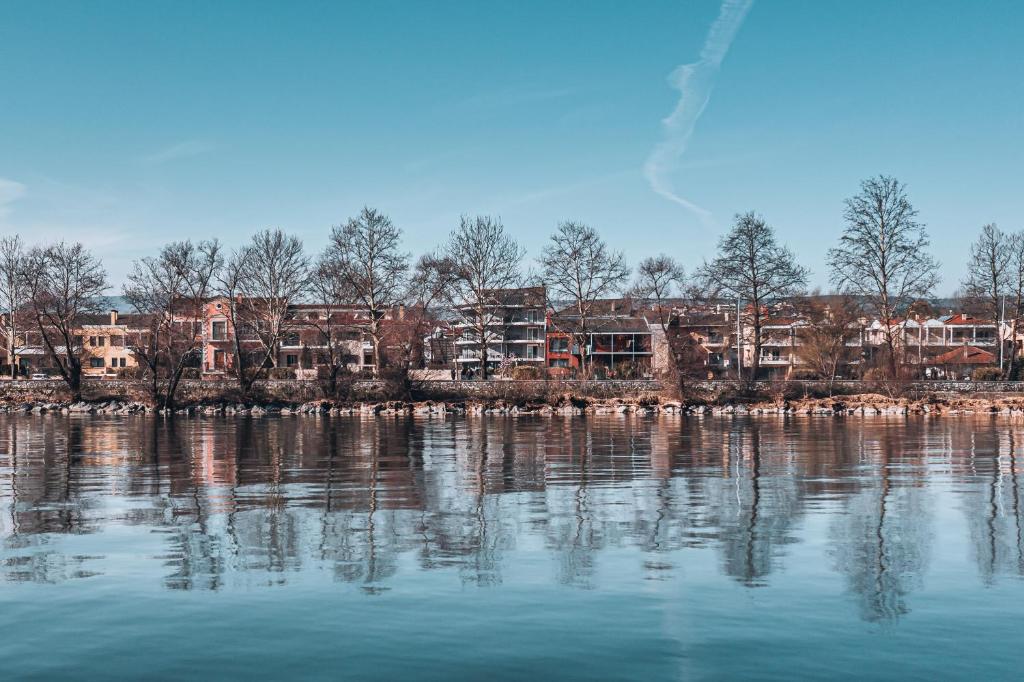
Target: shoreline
[{"x": 840, "y": 406}]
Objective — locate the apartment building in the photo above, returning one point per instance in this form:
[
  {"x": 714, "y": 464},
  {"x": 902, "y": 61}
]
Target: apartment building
[
  {"x": 103, "y": 341},
  {"x": 303, "y": 347},
  {"x": 615, "y": 346},
  {"x": 516, "y": 330}
]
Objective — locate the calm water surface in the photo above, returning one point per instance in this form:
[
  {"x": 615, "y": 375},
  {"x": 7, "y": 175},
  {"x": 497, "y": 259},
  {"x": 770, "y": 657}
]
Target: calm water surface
[{"x": 493, "y": 548}]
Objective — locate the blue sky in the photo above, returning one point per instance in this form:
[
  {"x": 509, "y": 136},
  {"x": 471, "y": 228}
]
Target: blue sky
[{"x": 129, "y": 124}]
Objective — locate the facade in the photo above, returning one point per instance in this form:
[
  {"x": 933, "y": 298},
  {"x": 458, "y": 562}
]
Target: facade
[
  {"x": 930, "y": 345},
  {"x": 705, "y": 340},
  {"x": 615, "y": 346},
  {"x": 624, "y": 341},
  {"x": 102, "y": 340},
  {"x": 516, "y": 331},
  {"x": 303, "y": 347},
  {"x": 106, "y": 344}
]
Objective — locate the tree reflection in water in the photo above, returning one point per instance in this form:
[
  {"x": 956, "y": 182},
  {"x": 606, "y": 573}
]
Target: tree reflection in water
[{"x": 253, "y": 502}]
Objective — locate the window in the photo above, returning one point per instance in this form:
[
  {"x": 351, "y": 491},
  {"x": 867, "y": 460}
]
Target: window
[
  {"x": 559, "y": 345},
  {"x": 92, "y": 341},
  {"x": 291, "y": 360},
  {"x": 560, "y": 362},
  {"x": 291, "y": 339},
  {"x": 220, "y": 331},
  {"x": 96, "y": 362},
  {"x": 532, "y": 333},
  {"x": 113, "y": 362},
  {"x": 531, "y": 352},
  {"x": 102, "y": 341},
  {"x": 124, "y": 362}
]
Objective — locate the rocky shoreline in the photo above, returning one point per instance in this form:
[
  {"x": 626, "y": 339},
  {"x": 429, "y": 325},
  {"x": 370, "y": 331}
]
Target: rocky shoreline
[{"x": 855, "y": 405}]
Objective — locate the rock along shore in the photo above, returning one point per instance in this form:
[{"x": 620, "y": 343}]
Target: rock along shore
[{"x": 853, "y": 405}]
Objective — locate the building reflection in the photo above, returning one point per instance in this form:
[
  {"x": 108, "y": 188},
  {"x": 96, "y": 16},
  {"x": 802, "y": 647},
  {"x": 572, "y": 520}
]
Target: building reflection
[{"x": 259, "y": 502}]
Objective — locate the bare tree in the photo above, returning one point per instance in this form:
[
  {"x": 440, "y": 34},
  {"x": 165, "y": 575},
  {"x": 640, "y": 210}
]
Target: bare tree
[
  {"x": 170, "y": 292},
  {"x": 260, "y": 281},
  {"x": 658, "y": 278},
  {"x": 368, "y": 253},
  {"x": 330, "y": 291},
  {"x": 63, "y": 282},
  {"x": 484, "y": 259},
  {"x": 1015, "y": 285},
  {"x": 988, "y": 270},
  {"x": 578, "y": 266},
  {"x": 883, "y": 255},
  {"x": 12, "y": 292},
  {"x": 825, "y": 344},
  {"x": 429, "y": 285},
  {"x": 751, "y": 266}
]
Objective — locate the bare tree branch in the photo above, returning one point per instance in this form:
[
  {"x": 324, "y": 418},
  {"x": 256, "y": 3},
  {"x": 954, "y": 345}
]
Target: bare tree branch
[
  {"x": 882, "y": 255},
  {"x": 578, "y": 266},
  {"x": 484, "y": 259},
  {"x": 751, "y": 266}
]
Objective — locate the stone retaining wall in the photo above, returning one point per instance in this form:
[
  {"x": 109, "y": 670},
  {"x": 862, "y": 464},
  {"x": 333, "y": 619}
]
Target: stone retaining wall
[
  {"x": 191, "y": 391},
  {"x": 537, "y": 390}
]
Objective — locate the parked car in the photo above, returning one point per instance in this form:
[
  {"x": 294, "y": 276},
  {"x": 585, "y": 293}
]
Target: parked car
[{"x": 39, "y": 376}]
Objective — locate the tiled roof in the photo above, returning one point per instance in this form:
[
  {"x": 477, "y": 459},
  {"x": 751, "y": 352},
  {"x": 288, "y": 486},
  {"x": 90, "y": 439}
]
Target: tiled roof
[{"x": 966, "y": 355}]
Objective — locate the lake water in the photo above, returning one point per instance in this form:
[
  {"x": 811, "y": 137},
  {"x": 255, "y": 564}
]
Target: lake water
[{"x": 511, "y": 548}]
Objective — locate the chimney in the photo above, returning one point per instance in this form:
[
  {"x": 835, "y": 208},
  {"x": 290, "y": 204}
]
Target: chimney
[
  {"x": 401, "y": 311},
  {"x": 113, "y": 317}
]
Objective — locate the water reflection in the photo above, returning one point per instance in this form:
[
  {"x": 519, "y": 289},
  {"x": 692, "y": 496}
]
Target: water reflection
[{"x": 247, "y": 503}]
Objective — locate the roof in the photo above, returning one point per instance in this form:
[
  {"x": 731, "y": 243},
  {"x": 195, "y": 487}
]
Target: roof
[
  {"x": 134, "y": 320},
  {"x": 523, "y": 296},
  {"x": 965, "y": 355},
  {"x": 606, "y": 306},
  {"x": 962, "y": 318},
  {"x": 699, "y": 318},
  {"x": 605, "y": 325}
]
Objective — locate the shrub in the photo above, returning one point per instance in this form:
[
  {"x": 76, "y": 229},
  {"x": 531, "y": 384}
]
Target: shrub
[
  {"x": 527, "y": 372},
  {"x": 986, "y": 374},
  {"x": 281, "y": 373}
]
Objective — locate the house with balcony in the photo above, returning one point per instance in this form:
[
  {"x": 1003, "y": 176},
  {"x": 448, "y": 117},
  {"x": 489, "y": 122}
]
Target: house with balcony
[
  {"x": 703, "y": 339},
  {"x": 515, "y": 330},
  {"x": 303, "y": 346},
  {"x": 103, "y": 342},
  {"x": 614, "y": 346},
  {"x": 927, "y": 344}
]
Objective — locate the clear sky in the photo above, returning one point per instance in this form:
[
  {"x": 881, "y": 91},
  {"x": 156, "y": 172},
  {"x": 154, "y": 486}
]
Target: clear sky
[{"x": 127, "y": 124}]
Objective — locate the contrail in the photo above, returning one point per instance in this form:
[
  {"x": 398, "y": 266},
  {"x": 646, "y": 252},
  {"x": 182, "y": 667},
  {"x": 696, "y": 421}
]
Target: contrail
[{"x": 694, "y": 82}]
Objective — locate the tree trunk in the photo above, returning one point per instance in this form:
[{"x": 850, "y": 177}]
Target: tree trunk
[
  {"x": 10, "y": 350},
  {"x": 75, "y": 380},
  {"x": 893, "y": 373},
  {"x": 483, "y": 346},
  {"x": 755, "y": 364},
  {"x": 375, "y": 337},
  {"x": 172, "y": 387}
]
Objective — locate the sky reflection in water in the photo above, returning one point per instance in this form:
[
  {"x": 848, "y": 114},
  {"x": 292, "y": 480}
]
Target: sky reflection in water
[{"x": 615, "y": 547}]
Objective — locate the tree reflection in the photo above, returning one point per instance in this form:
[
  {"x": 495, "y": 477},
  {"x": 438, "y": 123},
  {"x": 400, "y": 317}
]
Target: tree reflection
[
  {"x": 226, "y": 502},
  {"x": 882, "y": 537},
  {"x": 991, "y": 493}
]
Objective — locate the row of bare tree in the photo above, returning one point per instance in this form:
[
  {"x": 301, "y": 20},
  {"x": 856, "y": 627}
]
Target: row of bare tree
[
  {"x": 50, "y": 290},
  {"x": 881, "y": 260}
]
